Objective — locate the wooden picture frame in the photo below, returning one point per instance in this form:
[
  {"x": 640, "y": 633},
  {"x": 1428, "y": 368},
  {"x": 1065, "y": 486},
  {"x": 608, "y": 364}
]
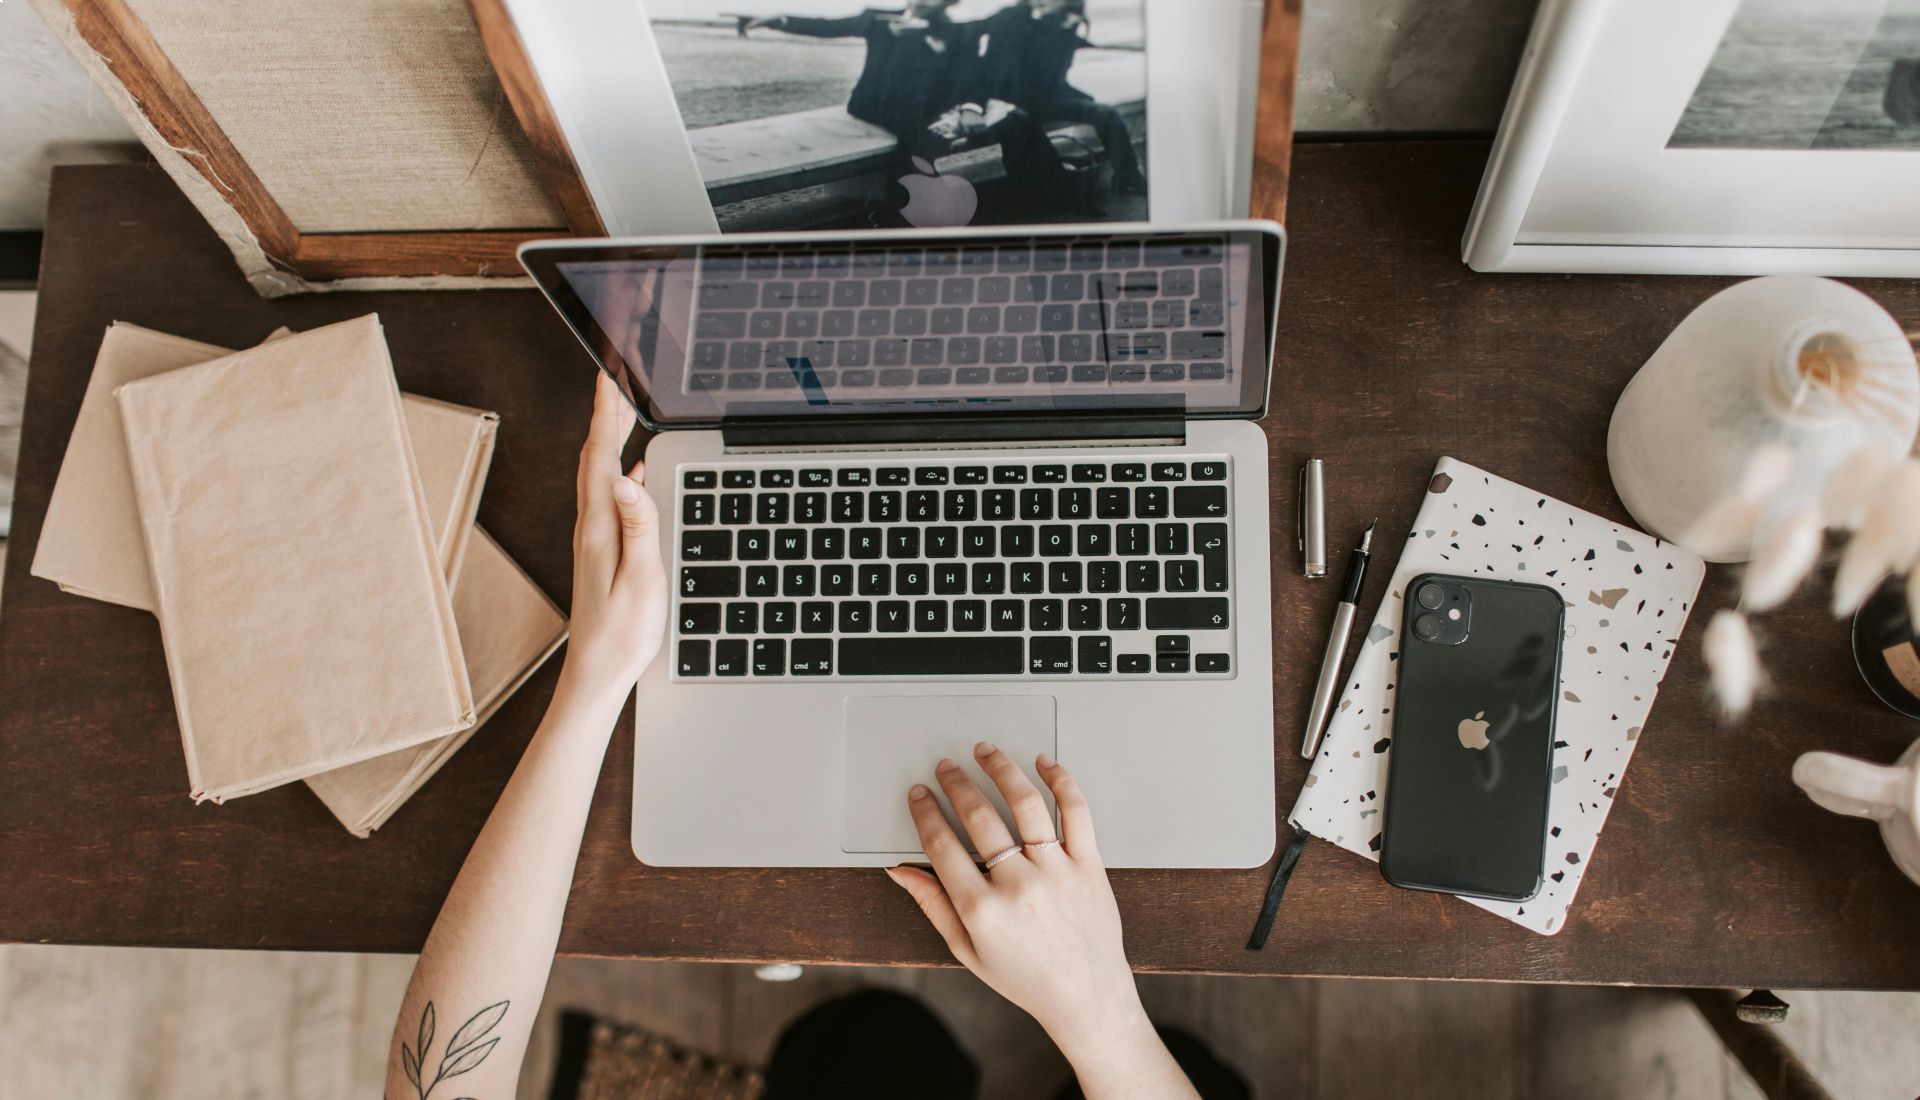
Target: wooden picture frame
[
  {"x": 1273, "y": 123},
  {"x": 130, "y": 55}
]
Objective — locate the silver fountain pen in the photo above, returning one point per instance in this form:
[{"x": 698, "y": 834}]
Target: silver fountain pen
[{"x": 1336, "y": 653}]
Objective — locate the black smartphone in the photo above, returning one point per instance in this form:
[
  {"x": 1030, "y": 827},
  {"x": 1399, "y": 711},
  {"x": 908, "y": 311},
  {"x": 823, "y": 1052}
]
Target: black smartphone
[{"x": 1471, "y": 772}]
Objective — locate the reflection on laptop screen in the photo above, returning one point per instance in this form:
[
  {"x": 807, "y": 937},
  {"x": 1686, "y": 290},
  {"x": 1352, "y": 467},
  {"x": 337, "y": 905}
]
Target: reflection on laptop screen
[{"x": 1173, "y": 321}]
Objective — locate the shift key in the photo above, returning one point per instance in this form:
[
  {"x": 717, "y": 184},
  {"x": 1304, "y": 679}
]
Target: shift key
[{"x": 1190, "y": 613}]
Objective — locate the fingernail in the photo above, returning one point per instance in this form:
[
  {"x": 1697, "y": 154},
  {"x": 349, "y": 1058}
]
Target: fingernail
[
  {"x": 984, "y": 748},
  {"x": 946, "y": 766},
  {"x": 890, "y": 874},
  {"x": 1047, "y": 761},
  {"x": 919, "y": 791},
  {"x": 626, "y": 491}
]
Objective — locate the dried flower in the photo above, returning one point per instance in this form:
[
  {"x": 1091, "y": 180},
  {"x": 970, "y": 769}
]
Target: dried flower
[
  {"x": 1782, "y": 560},
  {"x": 1854, "y": 485},
  {"x": 1888, "y": 539},
  {"x": 1734, "y": 660}
]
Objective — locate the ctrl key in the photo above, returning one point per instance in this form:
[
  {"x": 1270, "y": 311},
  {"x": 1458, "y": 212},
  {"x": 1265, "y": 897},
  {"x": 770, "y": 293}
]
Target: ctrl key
[
  {"x": 696, "y": 657},
  {"x": 811, "y": 657}
]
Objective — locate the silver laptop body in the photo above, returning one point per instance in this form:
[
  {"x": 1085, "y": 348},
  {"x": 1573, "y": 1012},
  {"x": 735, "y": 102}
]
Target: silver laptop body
[{"x": 926, "y": 488}]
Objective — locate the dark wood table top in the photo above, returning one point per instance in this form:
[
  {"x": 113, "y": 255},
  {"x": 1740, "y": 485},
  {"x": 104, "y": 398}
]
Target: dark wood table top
[{"x": 1714, "y": 870}]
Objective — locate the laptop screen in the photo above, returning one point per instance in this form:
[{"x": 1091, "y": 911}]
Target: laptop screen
[{"x": 744, "y": 329}]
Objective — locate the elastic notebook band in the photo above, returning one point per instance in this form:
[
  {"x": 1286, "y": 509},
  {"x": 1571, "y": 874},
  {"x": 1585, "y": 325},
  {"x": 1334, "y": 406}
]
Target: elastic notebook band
[{"x": 1277, "y": 889}]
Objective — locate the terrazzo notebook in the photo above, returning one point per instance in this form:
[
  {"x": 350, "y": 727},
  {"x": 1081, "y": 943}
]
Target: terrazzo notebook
[{"x": 1627, "y": 596}]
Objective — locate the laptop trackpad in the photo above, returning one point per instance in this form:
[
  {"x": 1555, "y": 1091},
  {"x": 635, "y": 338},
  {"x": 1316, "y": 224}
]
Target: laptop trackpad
[{"x": 893, "y": 742}]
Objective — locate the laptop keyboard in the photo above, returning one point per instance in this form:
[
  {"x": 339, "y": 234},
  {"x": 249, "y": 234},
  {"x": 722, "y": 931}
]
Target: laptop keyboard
[
  {"x": 1091, "y": 567},
  {"x": 1046, "y": 313}
]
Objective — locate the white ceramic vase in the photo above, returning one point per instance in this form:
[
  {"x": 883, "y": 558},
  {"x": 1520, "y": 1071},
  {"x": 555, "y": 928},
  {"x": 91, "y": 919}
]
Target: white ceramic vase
[
  {"x": 1886, "y": 793},
  {"x": 1803, "y": 362}
]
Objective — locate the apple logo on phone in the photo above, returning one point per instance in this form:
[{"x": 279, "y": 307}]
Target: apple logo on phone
[
  {"x": 1473, "y": 731},
  {"x": 935, "y": 201}
]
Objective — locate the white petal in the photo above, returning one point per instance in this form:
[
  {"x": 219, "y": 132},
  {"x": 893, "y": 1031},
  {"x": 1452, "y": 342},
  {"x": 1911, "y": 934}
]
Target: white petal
[
  {"x": 1734, "y": 661},
  {"x": 1888, "y": 539},
  {"x": 1767, "y": 470},
  {"x": 1853, "y": 486},
  {"x": 1782, "y": 560}
]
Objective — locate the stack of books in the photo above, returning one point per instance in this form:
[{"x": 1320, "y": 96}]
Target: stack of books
[{"x": 305, "y": 534}]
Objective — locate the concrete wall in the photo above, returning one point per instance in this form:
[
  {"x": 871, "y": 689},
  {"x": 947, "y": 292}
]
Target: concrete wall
[{"x": 1366, "y": 65}]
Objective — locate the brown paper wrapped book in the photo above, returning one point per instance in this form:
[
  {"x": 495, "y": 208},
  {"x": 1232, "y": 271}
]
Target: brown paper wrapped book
[{"x": 305, "y": 615}]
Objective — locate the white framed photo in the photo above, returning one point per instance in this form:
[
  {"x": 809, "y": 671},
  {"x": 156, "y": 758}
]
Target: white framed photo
[
  {"x": 704, "y": 116},
  {"x": 1729, "y": 137}
]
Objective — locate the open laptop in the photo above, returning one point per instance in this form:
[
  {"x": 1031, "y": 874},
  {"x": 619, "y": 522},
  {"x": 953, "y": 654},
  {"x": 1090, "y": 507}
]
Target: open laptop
[{"x": 925, "y": 488}]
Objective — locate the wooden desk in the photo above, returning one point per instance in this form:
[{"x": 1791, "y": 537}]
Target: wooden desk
[{"x": 1714, "y": 870}]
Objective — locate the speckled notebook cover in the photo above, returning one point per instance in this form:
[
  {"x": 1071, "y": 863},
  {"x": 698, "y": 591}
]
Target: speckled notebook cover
[{"x": 1627, "y": 595}]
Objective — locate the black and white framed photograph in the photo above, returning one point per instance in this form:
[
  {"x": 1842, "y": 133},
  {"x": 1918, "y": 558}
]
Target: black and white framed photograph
[
  {"x": 697, "y": 116},
  {"x": 1713, "y": 137}
]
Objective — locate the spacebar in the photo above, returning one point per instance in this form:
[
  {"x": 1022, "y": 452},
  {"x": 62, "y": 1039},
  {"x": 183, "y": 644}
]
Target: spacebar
[{"x": 931, "y": 656}]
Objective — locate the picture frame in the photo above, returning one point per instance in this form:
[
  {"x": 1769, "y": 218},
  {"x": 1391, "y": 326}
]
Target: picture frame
[
  {"x": 641, "y": 178},
  {"x": 1661, "y": 138}
]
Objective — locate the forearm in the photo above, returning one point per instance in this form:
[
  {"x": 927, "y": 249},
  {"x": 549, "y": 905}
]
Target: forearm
[
  {"x": 850, "y": 27},
  {"x": 493, "y": 943},
  {"x": 1121, "y": 1057}
]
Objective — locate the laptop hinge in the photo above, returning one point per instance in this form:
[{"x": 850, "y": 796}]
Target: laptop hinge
[{"x": 951, "y": 432}]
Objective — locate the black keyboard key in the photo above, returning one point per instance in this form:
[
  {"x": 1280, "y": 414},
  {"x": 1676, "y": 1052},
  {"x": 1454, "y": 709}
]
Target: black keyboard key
[
  {"x": 1096, "y": 654},
  {"x": 1094, "y": 540},
  {"x": 962, "y": 505},
  {"x": 1008, "y": 614},
  {"x": 1050, "y": 656},
  {"x": 1172, "y": 663},
  {"x": 1130, "y": 471},
  {"x": 1169, "y": 539},
  {"x": 698, "y": 479},
  {"x": 1016, "y": 541},
  {"x": 779, "y": 617},
  {"x": 799, "y": 581},
  {"x": 989, "y": 578},
  {"x": 736, "y": 508},
  {"x": 894, "y": 616},
  {"x": 950, "y": 579},
  {"x": 1187, "y": 613},
  {"x": 769, "y": 657},
  {"x": 816, "y": 617},
  {"x": 849, "y": 507},
  {"x": 1131, "y": 539},
  {"x": 836, "y": 580},
  {"x": 865, "y": 543},
  {"x": 977, "y": 542},
  {"x": 1173, "y": 643},
  {"x": 743, "y": 618},
  {"x": 856, "y": 617},
  {"x": 1029, "y": 577},
  {"x": 705, "y": 581},
  {"x": 1200, "y": 501},
  {"x": 706, "y": 545},
  {"x": 892, "y": 475},
  {"x": 986, "y": 655},
  {"x": 1103, "y": 576},
  {"x": 1183, "y": 575},
  {"x": 930, "y": 616},
  {"x": 816, "y": 479},
  {"x": 930, "y": 475},
  {"x": 903, "y": 542},
  {"x": 1010, "y": 475},
  {"x": 755, "y": 544},
  {"x": 696, "y": 658},
  {"x": 762, "y": 581},
  {"x": 1210, "y": 541},
  {"x": 737, "y": 479},
  {"x": 1143, "y": 575},
  {"x": 730, "y": 657},
  {"x": 970, "y": 475},
  {"x": 1083, "y": 614},
  {"x": 699, "y": 618},
  {"x": 998, "y": 504},
  {"x": 1064, "y": 577},
  {"x": 943, "y": 542},
  {"x": 776, "y": 479},
  {"x": 1049, "y": 475},
  {"x": 969, "y": 616},
  {"x": 923, "y": 506},
  {"x": 1150, "y": 502},
  {"x": 696, "y": 510},
  {"x": 876, "y": 580},
  {"x": 790, "y": 544},
  {"x": 883, "y": 507},
  {"x": 1076, "y": 504},
  {"x": 1046, "y": 614},
  {"x": 1113, "y": 503},
  {"x": 1036, "y": 504},
  {"x": 812, "y": 657},
  {"x": 1135, "y": 663},
  {"x": 1123, "y": 614},
  {"x": 912, "y": 578},
  {"x": 1056, "y": 540},
  {"x": 1210, "y": 471},
  {"x": 829, "y": 544},
  {"x": 810, "y": 508},
  {"x": 1212, "y": 662},
  {"x": 855, "y": 477},
  {"x": 1089, "y": 473}
]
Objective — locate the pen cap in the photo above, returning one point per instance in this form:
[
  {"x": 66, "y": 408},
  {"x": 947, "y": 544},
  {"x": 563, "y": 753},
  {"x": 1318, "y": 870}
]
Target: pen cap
[{"x": 1312, "y": 518}]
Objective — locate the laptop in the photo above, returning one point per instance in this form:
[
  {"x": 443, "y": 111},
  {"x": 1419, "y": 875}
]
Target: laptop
[{"x": 923, "y": 488}]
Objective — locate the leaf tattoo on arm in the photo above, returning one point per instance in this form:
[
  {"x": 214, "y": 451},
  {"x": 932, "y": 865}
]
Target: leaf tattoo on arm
[{"x": 466, "y": 1050}]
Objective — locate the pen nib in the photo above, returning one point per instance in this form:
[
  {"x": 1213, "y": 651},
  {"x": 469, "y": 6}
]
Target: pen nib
[{"x": 1366, "y": 537}]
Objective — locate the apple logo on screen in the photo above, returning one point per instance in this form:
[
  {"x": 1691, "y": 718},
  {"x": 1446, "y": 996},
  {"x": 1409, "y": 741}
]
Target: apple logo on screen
[
  {"x": 1473, "y": 731},
  {"x": 935, "y": 201}
]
